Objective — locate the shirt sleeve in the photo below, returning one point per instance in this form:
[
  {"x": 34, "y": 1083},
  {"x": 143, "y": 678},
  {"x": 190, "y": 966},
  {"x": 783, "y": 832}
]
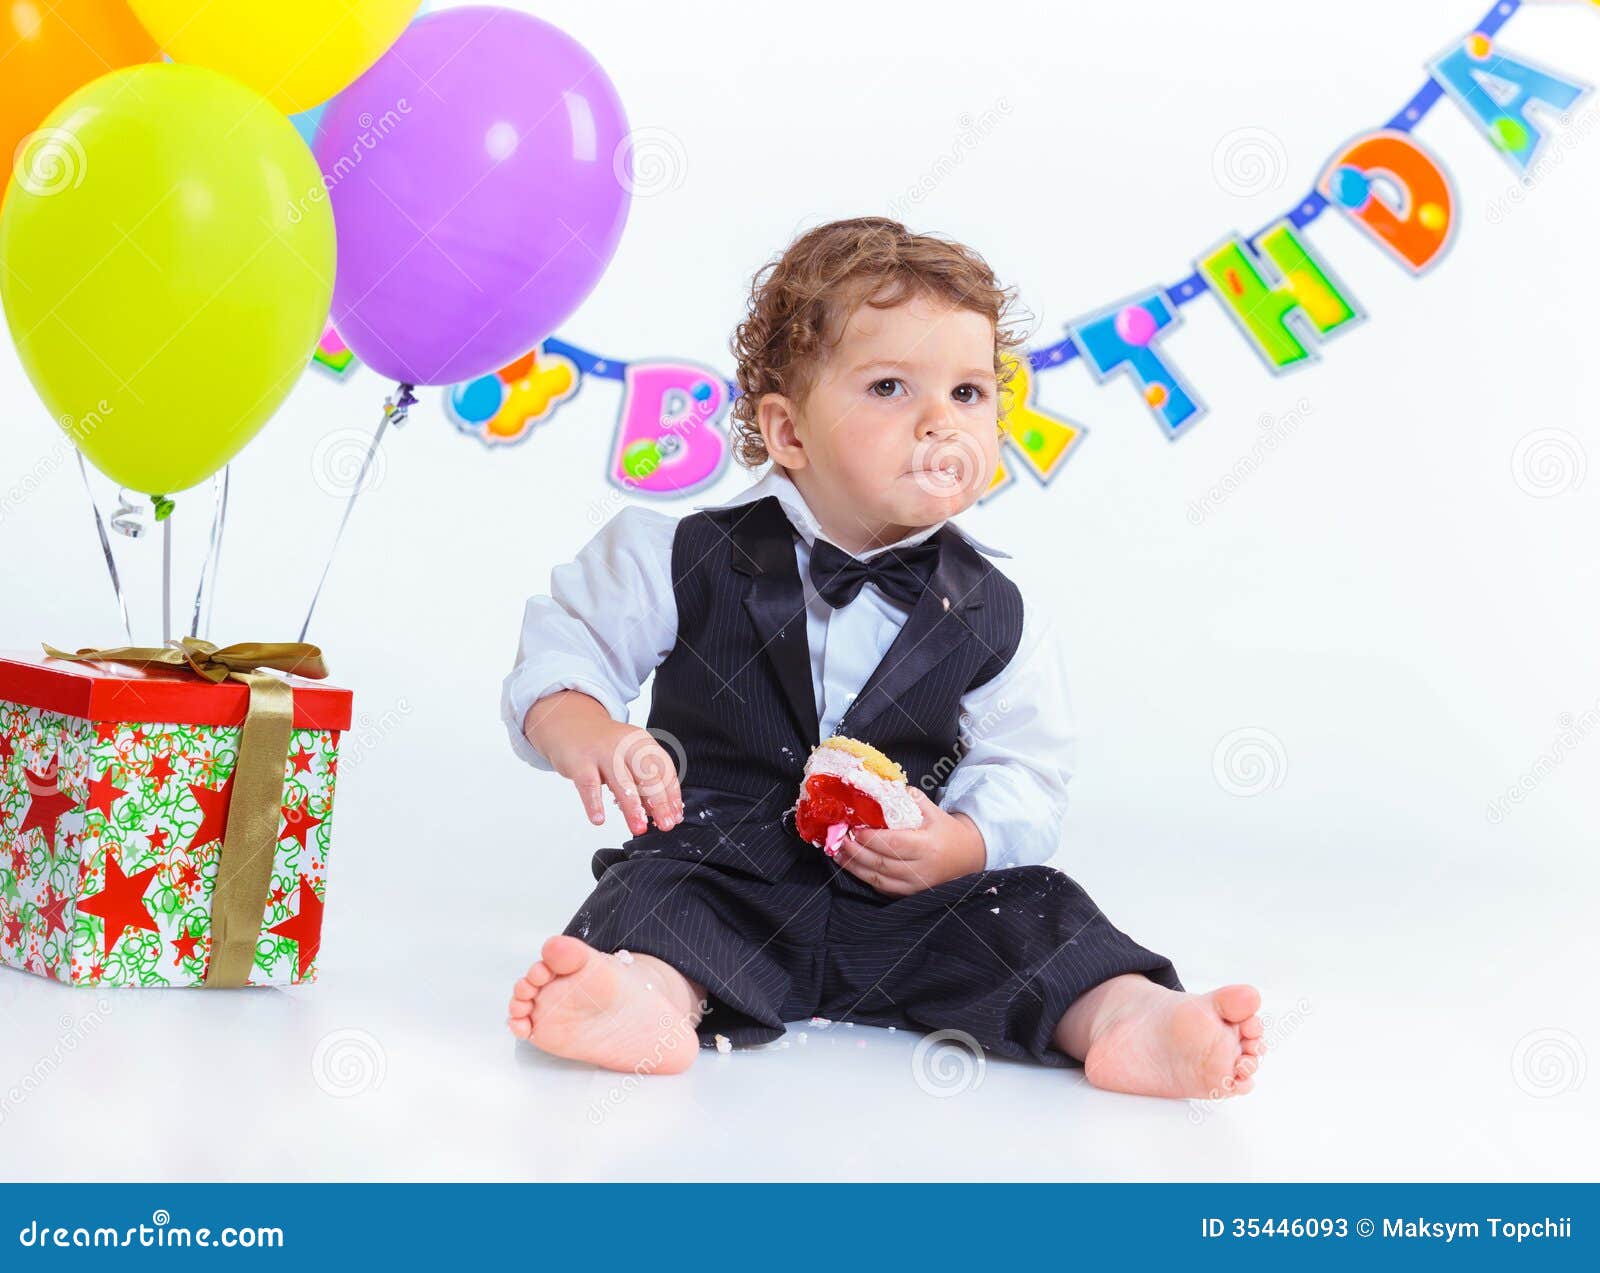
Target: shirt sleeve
[
  {"x": 608, "y": 621},
  {"x": 1019, "y": 744}
]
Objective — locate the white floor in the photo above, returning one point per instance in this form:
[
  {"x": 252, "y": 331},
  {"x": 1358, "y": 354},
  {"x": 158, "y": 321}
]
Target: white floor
[{"x": 1429, "y": 982}]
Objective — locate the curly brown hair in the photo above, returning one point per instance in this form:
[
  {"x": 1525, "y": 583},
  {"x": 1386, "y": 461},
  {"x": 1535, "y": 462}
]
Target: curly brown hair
[{"x": 821, "y": 278}]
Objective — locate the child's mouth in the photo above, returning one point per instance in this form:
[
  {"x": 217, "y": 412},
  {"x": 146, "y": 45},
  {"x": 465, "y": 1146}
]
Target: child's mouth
[{"x": 939, "y": 477}]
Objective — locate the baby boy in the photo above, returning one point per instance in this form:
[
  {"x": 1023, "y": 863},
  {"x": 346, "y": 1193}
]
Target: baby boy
[{"x": 836, "y": 596}]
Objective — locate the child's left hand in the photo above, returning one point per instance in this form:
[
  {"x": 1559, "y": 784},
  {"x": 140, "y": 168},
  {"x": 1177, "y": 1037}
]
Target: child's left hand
[{"x": 945, "y": 847}]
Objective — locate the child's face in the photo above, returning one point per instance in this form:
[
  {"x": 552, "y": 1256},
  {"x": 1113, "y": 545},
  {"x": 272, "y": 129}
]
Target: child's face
[{"x": 900, "y": 428}]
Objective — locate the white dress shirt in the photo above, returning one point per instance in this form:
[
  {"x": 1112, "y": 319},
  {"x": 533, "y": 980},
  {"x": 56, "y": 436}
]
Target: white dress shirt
[{"x": 610, "y": 618}]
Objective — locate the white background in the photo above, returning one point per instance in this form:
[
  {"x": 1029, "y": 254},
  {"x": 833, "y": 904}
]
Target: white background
[{"x": 1401, "y": 611}]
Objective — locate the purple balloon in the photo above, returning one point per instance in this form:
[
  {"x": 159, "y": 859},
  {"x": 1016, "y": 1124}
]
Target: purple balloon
[{"x": 480, "y": 182}]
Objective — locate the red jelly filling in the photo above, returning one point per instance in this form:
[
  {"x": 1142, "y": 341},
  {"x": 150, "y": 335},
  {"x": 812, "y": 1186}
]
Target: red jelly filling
[{"x": 827, "y": 800}]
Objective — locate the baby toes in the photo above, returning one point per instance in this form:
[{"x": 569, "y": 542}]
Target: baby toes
[
  {"x": 1245, "y": 1066},
  {"x": 519, "y": 1016},
  {"x": 1250, "y": 1028},
  {"x": 1253, "y": 1047},
  {"x": 519, "y": 1012},
  {"x": 1237, "y": 1003},
  {"x": 540, "y": 974}
]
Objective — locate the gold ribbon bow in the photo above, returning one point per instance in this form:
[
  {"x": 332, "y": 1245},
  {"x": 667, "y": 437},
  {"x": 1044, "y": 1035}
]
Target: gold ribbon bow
[{"x": 250, "y": 839}]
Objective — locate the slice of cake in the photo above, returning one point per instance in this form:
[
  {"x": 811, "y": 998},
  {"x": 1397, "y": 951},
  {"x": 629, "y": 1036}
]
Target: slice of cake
[{"x": 850, "y": 784}]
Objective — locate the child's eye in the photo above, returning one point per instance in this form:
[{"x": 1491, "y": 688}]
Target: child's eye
[
  {"x": 978, "y": 394},
  {"x": 878, "y": 384}
]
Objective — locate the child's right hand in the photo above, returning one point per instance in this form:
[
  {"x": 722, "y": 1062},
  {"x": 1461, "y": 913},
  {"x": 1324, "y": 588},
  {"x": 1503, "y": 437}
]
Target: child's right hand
[{"x": 584, "y": 744}]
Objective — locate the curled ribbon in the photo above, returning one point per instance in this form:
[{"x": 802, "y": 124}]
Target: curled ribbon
[
  {"x": 249, "y": 841},
  {"x": 127, "y": 518}
]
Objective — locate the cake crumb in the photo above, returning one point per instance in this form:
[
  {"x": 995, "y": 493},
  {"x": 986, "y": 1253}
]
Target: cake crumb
[
  {"x": 821, "y": 1023},
  {"x": 994, "y": 910},
  {"x": 624, "y": 956},
  {"x": 724, "y": 1044}
]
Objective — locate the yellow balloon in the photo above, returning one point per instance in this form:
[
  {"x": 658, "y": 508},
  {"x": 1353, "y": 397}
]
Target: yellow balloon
[
  {"x": 167, "y": 259},
  {"x": 295, "y": 53}
]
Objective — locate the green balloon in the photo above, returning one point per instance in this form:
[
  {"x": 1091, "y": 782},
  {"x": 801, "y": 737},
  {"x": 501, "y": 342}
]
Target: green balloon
[{"x": 166, "y": 263}]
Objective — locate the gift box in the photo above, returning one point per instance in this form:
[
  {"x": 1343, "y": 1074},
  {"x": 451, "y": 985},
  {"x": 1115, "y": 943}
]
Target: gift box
[{"x": 137, "y": 809}]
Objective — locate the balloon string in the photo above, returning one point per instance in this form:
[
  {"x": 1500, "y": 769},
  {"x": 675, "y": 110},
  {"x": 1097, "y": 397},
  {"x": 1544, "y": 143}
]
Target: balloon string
[
  {"x": 166, "y": 581},
  {"x": 105, "y": 548},
  {"x": 395, "y": 410},
  {"x": 216, "y": 563},
  {"x": 213, "y": 548},
  {"x": 127, "y": 518}
]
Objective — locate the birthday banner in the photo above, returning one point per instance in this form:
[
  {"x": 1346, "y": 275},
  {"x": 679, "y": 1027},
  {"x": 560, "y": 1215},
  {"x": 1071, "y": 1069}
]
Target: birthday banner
[{"x": 1286, "y": 301}]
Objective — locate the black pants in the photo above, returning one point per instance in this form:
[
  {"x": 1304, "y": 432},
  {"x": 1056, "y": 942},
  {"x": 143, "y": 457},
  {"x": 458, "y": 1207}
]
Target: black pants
[{"x": 776, "y": 931}]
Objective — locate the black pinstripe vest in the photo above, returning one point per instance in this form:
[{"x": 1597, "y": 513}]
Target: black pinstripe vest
[{"x": 736, "y": 690}]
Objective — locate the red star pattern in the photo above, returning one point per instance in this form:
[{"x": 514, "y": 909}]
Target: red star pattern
[
  {"x": 305, "y": 929},
  {"x": 144, "y": 756},
  {"x": 103, "y": 793},
  {"x": 48, "y": 804},
  {"x": 160, "y": 770},
  {"x": 50, "y": 910},
  {"x": 121, "y": 903},
  {"x": 213, "y": 812},
  {"x": 298, "y": 822},
  {"x": 185, "y": 946}
]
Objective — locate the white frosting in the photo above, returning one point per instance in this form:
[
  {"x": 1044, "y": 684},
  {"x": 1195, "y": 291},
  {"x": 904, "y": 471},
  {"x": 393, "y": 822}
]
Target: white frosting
[{"x": 900, "y": 811}]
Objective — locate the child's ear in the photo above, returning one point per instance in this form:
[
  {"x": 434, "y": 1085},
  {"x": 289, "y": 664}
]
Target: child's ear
[{"x": 776, "y": 417}]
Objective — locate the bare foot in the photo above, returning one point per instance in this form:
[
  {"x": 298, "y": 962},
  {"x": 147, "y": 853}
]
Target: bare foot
[
  {"x": 1134, "y": 1035},
  {"x": 634, "y": 1014}
]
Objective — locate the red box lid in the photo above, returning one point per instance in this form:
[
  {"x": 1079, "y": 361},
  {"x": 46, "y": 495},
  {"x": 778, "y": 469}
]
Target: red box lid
[{"x": 162, "y": 695}]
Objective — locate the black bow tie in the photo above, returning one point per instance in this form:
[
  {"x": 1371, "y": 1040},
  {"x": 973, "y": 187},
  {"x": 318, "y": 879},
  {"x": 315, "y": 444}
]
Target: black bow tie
[{"x": 901, "y": 574}]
